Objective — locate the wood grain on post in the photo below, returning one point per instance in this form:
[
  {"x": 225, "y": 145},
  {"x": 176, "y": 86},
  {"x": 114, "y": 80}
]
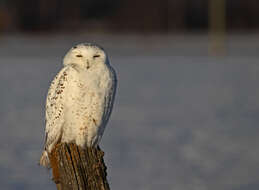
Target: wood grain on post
[{"x": 78, "y": 168}]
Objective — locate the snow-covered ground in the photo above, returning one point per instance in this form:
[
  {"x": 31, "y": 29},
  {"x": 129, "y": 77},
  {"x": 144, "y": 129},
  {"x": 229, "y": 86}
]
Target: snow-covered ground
[{"x": 182, "y": 119}]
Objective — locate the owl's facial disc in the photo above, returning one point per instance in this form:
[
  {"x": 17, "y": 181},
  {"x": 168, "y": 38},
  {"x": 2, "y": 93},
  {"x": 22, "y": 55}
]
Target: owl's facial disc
[{"x": 85, "y": 56}]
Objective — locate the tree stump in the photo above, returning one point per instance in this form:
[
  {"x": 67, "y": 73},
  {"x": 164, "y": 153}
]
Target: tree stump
[{"x": 78, "y": 168}]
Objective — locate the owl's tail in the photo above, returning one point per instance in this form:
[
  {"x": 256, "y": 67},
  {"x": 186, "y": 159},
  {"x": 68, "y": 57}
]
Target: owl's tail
[{"x": 44, "y": 160}]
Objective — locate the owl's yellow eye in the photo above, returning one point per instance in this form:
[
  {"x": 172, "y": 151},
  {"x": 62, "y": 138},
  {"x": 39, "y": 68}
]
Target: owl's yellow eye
[{"x": 96, "y": 56}]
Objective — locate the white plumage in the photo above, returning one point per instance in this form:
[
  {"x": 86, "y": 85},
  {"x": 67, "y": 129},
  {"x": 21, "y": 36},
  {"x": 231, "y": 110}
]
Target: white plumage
[{"x": 80, "y": 99}]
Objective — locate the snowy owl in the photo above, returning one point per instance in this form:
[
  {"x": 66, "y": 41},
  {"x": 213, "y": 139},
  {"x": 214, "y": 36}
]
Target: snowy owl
[{"x": 80, "y": 99}]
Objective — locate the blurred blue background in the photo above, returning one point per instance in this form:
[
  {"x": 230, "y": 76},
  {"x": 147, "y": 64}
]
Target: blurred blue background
[{"x": 186, "y": 111}]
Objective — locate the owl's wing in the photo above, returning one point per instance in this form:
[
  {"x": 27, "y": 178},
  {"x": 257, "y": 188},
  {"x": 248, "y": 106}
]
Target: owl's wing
[
  {"x": 55, "y": 108},
  {"x": 109, "y": 100}
]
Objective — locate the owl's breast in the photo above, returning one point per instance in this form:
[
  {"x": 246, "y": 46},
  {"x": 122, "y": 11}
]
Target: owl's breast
[{"x": 86, "y": 98}]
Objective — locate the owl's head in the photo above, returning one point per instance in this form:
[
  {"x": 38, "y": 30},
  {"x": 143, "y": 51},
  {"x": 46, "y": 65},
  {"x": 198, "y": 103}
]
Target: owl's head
[{"x": 85, "y": 56}]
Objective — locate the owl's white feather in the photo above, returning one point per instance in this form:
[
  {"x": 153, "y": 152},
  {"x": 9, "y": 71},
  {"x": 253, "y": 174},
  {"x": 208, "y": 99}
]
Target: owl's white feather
[{"x": 80, "y": 99}]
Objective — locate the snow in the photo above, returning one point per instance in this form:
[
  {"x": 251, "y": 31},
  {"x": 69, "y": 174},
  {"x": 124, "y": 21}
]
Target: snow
[{"x": 189, "y": 121}]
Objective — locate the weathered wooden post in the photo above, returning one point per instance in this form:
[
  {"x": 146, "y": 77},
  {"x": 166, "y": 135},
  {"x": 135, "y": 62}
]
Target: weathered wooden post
[{"x": 76, "y": 168}]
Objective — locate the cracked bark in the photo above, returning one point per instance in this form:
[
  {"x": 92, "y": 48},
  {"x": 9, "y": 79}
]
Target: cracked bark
[{"x": 78, "y": 168}]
